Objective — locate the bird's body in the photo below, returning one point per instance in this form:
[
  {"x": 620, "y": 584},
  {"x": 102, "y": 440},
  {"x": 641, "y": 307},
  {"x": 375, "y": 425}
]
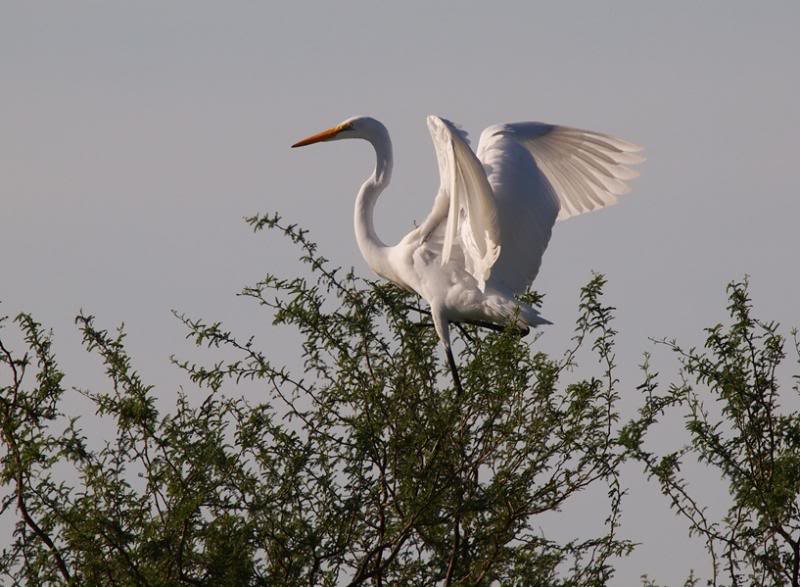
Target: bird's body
[
  {"x": 482, "y": 243},
  {"x": 451, "y": 291}
]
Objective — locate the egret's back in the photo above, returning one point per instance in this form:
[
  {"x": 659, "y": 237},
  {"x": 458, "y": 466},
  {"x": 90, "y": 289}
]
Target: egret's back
[{"x": 527, "y": 209}]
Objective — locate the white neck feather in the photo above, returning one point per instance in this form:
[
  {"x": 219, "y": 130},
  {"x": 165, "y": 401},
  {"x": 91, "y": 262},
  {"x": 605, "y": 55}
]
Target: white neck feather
[{"x": 372, "y": 247}]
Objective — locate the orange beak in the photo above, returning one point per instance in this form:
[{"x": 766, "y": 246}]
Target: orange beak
[{"x": 320, "y": 136}]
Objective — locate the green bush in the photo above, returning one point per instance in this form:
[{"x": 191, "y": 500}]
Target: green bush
[{"x": 369, "y": 467}]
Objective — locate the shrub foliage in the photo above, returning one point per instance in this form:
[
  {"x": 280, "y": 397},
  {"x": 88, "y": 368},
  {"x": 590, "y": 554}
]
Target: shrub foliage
[
  {"x": 366, "y": 465},
  {"x": 730, "y": 397}
]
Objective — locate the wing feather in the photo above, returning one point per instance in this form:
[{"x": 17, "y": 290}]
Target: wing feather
[
  {"x": 465, "y": 202},
  {"x": 541, "y": 173}
]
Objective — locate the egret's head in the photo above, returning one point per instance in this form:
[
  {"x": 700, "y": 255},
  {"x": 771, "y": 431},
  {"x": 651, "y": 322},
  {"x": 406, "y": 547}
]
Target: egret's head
[{"x": 357, "y": 127}]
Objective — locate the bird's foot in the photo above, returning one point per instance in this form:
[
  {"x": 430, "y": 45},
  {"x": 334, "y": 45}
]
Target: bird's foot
[{"x": 519, "y": 331}]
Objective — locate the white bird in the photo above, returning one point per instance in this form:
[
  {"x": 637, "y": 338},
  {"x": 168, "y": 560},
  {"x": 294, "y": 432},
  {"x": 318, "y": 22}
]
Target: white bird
[{"x": 482, "y": 244}]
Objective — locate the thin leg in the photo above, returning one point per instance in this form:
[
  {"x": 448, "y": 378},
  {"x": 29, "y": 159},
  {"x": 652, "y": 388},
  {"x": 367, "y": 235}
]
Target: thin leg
[
  {"x": 443, "y": 330},
  {"x": 454, "y": 370}
]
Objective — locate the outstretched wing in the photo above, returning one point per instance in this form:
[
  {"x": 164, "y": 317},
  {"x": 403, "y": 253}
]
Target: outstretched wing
[
  {"x": 541, "y": 173},
  {"x": 464, "y": 203}
]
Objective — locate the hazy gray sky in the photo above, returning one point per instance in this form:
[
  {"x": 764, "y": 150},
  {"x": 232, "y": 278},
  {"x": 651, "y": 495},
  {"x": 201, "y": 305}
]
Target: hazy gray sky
[{"x": 135, "y": 136}]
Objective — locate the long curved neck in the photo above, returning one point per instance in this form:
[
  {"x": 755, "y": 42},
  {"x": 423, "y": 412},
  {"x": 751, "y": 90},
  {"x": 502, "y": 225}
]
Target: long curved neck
[{"x": 372, "y": 248}]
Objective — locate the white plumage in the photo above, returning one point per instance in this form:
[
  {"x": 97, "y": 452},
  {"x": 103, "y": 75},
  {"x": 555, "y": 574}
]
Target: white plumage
[{"x": 483, "y": 241}]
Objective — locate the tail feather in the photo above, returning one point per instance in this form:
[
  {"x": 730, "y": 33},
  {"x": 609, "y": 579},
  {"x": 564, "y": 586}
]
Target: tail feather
[{"x": 532, "y": 316}]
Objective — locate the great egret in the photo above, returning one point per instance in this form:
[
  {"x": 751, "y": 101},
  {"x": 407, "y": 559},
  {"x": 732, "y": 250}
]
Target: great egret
[{"x": 482, "y": 243}]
